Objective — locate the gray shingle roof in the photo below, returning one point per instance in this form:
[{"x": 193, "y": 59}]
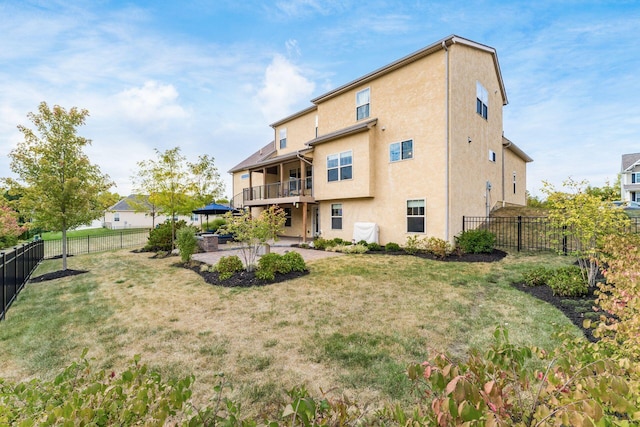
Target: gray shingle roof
[
  {"x": 127, "y": 204},
  {"x": 262, "y": 154},
  {"x": 629, "y": 160}
]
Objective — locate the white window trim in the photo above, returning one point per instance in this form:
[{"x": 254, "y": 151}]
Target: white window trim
[
  {"x": 492, "y": 156},
  {"x": 340, "y": 166},
  {"x": 358, "y": 105},
  {"x": 399, "y": 143},
  {"x": 341, "y": 216},
  {"x": 283, "y": 137},
  {"x": 407, "y": 216},
  {"x": 482, "y": 95}
]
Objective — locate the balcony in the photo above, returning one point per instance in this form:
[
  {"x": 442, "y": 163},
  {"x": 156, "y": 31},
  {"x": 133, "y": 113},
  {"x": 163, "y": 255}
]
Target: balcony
[{"x": 292, "y": 191}]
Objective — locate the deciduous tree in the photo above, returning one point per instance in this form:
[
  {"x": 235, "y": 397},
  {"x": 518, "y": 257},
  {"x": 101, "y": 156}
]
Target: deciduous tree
[
  {"x": 584, "y": 220},
  {"x": 60, "y": 187}
]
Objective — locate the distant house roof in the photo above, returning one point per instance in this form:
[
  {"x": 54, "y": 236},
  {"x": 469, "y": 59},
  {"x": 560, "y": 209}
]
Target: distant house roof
[
  {"x": 629, "y": 161},
  {"x": 129, "y": 203},
  {"x": 516, "y": 150},
  {"x": 258, "y": 157}
]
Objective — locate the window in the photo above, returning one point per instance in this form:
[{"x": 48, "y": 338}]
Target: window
[
  {"x": 287, "y": 217},
  {"x": 244, "y": 176},
  {"x": 283, "y": 138},
  {"x": 336, "y": 216},
  {"x": 294, "y": 179},
  {"x": 309, "y": 177},
  {"x": 514, "y": 183},
  {"x": 316, "y": 125},
  {"x": 339, "y": 166},
  {"x": 415, "y": 216},
  {"x": 194, "y": 217},
  {"x": 401, "y": 150},
  {"x": 116, "y": 216},
  {"x": 482, "y": 100},
  {"x": 362, "y": 104},
  {"x": 492, "y": 156},
  {"x": 635, "y": 178}
]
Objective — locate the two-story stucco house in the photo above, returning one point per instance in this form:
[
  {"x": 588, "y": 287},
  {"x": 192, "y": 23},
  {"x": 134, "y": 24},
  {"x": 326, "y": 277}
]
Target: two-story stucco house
[
  {"x": 406, "y": 149},
  {"x": 630, "y": 178}
]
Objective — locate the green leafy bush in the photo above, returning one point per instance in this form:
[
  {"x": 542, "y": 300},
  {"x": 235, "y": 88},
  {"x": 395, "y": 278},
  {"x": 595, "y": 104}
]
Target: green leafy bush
[
  {"x": 187, "y": 243},
  {"x": 438, "y": 247},
  {"x": 270, "y": 264},
  {"x": 476, "y": 241},
  {"x": 392, "y": 247},
  {"x": 568, "y": 282},
  {"x": 321, "y": 244},
  {"x": 537, "y": 276},
  {"x": 227, "y": 265},
  {"x": 160, "y": 238},
  {"x": 373, "y": 246},
  {"x": 355, "y": 249},
  {"x": 212, "y": 226},
  {"x": 295, "y": 261},
  {"x": 339, "y": 241},
  {"x": 363, "y": 242}
]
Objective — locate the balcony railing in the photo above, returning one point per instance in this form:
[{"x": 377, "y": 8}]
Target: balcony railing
[{"x": 292, "y": 188}]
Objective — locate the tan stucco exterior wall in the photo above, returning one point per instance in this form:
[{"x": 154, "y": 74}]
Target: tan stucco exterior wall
[
  {"x": 513, "y": 164},
  {"x": 300, "y": 130}
]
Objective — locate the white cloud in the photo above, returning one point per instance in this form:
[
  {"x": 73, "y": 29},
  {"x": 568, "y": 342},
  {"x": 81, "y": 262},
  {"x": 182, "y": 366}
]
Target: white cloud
[
  {"x": 153, "y": 102},
  {"x": 283, "y": 89}
]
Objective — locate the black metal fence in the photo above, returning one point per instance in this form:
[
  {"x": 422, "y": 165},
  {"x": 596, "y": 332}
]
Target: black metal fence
[
  {"x": 16, "y": 267},
  {"x": 90, "y": 244},
  {"x": 526, "y": 233}
]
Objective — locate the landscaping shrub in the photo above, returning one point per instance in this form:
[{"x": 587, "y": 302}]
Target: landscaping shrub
[
  {"x": 412, "y": 245},
  {"x": 438, "y": 247},
  {"x": 321, "y": 244},
  {"x": 476, "y": 241},
  {"x": 295, "y": 261},
  {"x": 392, "y": 247},
  {"x": 355, "y": 249},
  {"x": 373, "y": 246},
  {"x": 270, "y": 264},
  {"x": 537, "y": 276},
  {"x": 187, "y": 243},
  {"x": 568, "y": 282},
  {"x": 363, "y": 242},
  {"x": 160, "y": 238},
  {"x": 339, "y": 241},
  {"x": 227, "y": 265}
]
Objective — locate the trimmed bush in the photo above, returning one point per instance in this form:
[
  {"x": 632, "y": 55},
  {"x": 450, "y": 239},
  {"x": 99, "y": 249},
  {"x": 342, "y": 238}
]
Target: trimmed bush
[
  {"x": 412, "y": 246},
  {"x": 187, "y": 243},
  {"x": 476, "y": 241},
  {"x": 227, "y": 265},
  {"x": 392, "y": 247},
  {"x": 568, "y": 282},
  {"x": 374, "y": 247},
  {"x": 537, "y": 276},
  {"x": 321, "y": 244},
  {"x": 295, "y": 261}
]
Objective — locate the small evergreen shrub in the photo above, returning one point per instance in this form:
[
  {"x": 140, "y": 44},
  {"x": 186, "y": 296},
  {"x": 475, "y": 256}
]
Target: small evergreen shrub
[
  {"x": 373, "y": 246},
  {"x": 412, "y": 246},
  {"x": 537, "y": 276},
  {"x": 160, "y": 238},
  {"x": 476, "y": 241},
  {"x": 392, "y": 247},
  {"x": 568, "y": 282},
  {"x": 363, "y": 242},
  {"x": 295, "y": 261},
  {"x": 187, "y": 243},
  {"x": 438, "y": 247},
  {"x": 321, "y": 244},
  {"x": 227, "y": 265},
  {"x": 339, "y": 241}
]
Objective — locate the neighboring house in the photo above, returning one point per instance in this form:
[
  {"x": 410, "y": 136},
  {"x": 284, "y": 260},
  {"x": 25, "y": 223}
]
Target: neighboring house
[
  {"x": 406, "y": 149},
  {"x": 630, "y": 178},
  {"x": 135, "y": 211}
]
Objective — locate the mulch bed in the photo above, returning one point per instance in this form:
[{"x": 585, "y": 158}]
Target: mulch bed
[
  {"x": 56, "y": 275},
  {"x": 576, "y": 309},
  {"x": 241, "y": 279},
  {"x": 494, "y": 256}
]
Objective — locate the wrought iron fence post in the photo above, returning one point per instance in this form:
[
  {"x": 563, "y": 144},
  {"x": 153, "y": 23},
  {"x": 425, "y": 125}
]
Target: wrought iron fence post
[
  {"x": 519, "y": 233},
  {"x": 463, "y": 223},
  {"x": 4, "y": 288},
  {"x": 565, "y": 250}
]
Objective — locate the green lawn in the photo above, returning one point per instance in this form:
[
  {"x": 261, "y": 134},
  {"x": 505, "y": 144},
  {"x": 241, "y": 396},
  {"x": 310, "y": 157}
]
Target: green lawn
[{"x": 351, "y": 326}]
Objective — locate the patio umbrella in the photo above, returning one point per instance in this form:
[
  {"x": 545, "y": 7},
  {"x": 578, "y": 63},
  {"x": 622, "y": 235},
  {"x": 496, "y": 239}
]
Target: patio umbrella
[{"x": 213, "y": 209}]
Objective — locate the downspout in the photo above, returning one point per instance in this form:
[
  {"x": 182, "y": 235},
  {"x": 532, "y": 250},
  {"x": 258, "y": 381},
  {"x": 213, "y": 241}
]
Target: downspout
[
  {"x": 504, "y": 147},
  {"x": 447, "y": 200}
]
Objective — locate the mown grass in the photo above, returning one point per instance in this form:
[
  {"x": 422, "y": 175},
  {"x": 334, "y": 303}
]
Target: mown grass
[{"x": 351, "y": 326}]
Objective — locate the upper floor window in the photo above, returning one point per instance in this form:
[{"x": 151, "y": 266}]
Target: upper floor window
[
  {"x": 316, "y": 125},
  {"x": 116, "y": 216},
  {"x": 514, "y": 183},
  {"x": 416, "y": 217},
  {"x": 482, "y": 100},
  {"x": 635, "y": 178},
  {"x": 401, "y": 150},
  {"x": 339, "y": 166},
  {"x": 492, "y": 156},
  {"x": 362, "y": 104},
  {"x": 283, "y": 138},
  {"x": 244, "y": 176}
]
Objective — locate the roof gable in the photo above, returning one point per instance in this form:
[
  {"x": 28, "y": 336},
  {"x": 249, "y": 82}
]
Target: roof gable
[
  {"x": 629, "y": 161},
  {"x": 259, "y": 156}
]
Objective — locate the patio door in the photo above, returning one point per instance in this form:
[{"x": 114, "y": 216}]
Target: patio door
[{"x": 315, "y": 221}]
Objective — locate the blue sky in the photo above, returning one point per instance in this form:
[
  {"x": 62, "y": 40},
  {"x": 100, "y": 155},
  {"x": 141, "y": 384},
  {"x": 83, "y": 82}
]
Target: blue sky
[{"x": 211, "y": 75}]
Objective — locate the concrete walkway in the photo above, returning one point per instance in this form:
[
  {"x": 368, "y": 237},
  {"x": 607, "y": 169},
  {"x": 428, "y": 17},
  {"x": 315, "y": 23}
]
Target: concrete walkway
[{"x": 282, "y": 246}]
